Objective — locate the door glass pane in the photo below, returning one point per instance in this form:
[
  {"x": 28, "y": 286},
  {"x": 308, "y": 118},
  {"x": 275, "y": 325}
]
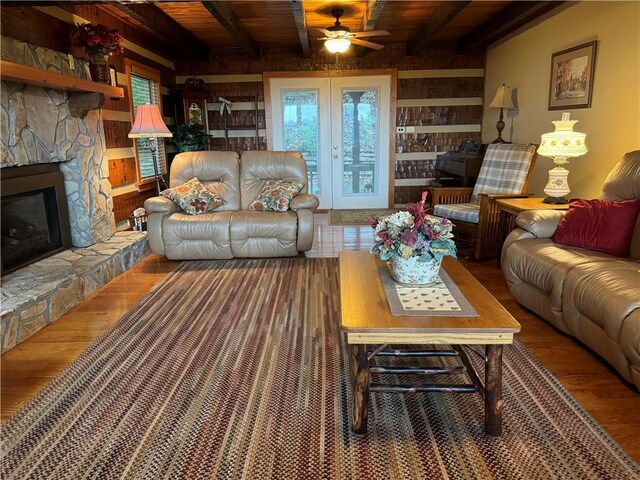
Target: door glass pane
[
  {"x": 301, "y": 131},
  {"x": 359, "y": 141}
]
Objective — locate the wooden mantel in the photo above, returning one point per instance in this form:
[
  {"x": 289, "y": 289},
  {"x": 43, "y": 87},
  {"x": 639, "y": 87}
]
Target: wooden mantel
[{"x": 84, "y": 95}]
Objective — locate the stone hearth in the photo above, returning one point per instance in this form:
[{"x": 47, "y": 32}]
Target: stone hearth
[{"x": 40, "y": 293}]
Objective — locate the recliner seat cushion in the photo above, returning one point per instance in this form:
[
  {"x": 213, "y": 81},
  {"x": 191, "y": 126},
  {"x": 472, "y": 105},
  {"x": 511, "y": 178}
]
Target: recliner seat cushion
[
  {"x": 465, "y": 212},
  {"x": 264, "y": 234},
  {"x": 198, "y": 237}
]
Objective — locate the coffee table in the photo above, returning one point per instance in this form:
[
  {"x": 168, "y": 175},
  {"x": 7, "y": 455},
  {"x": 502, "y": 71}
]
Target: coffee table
[{"x": 367, "y": 320}]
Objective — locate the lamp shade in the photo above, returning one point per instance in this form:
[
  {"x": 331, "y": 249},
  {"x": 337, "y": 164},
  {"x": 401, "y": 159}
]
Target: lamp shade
[
  {"x": 563, "y": 142},
  {"x": 502, "y": 98},
  {"x": 148, "y": 123},
  {"x": 337, "y": 45}
]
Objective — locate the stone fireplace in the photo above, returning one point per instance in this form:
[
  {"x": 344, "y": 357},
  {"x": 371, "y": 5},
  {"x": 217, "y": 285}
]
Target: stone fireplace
[
  {"x": 38, "y": 131},
  {"x": 37, "y": 127}
]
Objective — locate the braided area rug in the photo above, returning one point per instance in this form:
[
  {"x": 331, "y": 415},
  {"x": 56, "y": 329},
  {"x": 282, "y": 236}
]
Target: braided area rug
[{"x": 237, "y": 369}]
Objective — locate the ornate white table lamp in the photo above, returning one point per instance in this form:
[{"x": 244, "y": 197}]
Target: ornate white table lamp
[{"x": 560, "y": 145}]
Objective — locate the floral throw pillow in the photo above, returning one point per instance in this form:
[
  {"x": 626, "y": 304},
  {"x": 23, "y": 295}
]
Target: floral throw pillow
[
  {"x": 276, "y": 195},
  {"x": 193, "y": 197}
]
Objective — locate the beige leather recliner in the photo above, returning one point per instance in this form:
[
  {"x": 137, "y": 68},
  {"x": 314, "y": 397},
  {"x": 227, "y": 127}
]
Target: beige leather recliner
[
  {"x": 593, "y": 296},
  {"x": 232, "y": 230}
]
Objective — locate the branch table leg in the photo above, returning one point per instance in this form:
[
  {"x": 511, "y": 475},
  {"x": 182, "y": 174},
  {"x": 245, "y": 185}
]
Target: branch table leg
[
  {"x": 360, "y": 388},
  {"x": 493, "y": 391}
]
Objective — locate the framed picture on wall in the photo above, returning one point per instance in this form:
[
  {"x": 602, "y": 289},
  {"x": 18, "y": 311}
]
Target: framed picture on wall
[{"x": 572, "y": 72}]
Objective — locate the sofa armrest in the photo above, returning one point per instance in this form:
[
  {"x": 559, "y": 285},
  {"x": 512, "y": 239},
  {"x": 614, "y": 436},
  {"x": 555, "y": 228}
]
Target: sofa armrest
[
  {"x": 160, "y": 205},
  {"x": 304, "y": 200},
  {"x": 540, "y": 223}
]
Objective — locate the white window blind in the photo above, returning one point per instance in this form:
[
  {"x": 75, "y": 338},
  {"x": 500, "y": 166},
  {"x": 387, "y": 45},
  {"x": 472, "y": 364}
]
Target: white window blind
[{"x": 144, "y": 90}]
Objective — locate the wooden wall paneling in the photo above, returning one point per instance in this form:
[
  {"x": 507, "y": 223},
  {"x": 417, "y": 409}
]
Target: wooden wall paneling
[
  {"x": 32, "y": 26},
  {"x": 125, "y": 204},
  {"x": 440, "y": 115},
  {"x": 440, "y": 87},
  {"x": 116, "y": 134},
  {"x": 122, "y": 171}
]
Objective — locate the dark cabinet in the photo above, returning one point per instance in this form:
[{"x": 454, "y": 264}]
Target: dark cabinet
[{"x": 458, "y": 169}]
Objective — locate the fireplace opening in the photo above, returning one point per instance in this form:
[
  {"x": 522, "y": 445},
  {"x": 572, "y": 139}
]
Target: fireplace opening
[{"x": 35, "y": 221}]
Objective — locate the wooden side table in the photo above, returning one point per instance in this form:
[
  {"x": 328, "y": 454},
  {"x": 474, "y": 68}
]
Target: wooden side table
[{"x": 511, "y": 207}]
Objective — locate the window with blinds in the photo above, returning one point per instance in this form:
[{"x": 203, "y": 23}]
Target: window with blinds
[{"x": 143, "y": 91}]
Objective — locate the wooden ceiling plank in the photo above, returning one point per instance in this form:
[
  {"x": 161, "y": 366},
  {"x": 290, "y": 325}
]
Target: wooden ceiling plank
[
  {"x": 372, "y": 11},
  {"x": 441, "y": 17},
  {"x": 223, "y": 13},
  {"x": 297, "y": 7},
  {"x": 166, "y": 28},
  {"x": 502, "y": 23}
]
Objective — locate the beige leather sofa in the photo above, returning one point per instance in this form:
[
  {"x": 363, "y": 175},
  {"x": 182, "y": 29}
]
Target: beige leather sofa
[
  {"x": 590, "y": 295},
  {"x": 232, "y": 230}
]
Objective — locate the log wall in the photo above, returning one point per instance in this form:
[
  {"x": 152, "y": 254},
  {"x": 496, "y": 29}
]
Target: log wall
[{"x": 439, "y": 93}]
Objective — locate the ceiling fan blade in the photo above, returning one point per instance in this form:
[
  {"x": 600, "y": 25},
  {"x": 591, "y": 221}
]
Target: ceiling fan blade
[
  {"x": 323, "y": 30},
  {"x": 372, "y": 33},
  {"x": 364, "y": 43}
]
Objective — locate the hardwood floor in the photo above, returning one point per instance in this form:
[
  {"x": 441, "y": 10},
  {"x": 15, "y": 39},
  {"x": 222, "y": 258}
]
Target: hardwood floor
[{"x": 31, "y": 365}]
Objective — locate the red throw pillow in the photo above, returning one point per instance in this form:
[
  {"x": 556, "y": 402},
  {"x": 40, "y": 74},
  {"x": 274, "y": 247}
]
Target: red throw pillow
[{"x": 600, "y": 225}]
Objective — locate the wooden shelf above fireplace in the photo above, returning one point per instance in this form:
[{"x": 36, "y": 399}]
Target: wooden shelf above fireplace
[{"x": 84, "y": 95}]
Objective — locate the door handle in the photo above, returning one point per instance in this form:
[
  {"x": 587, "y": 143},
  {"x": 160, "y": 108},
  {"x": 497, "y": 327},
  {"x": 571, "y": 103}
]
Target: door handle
[
  {"x": 335, "y": 155},
  {"x": 335, "y": 147}
]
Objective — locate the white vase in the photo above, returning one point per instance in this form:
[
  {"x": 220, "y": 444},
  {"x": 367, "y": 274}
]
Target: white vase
[{"x": 411, "y": 271}]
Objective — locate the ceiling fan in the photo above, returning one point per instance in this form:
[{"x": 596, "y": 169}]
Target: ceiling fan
[{"x": 338, "y": 37}]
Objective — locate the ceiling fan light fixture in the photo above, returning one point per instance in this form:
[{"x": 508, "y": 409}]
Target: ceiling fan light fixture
[{"x": 337, "y": 45}]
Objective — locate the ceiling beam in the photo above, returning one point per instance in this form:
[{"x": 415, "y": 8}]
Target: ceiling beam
[
  {"x": 512, "y": 17},
  {"x": 231, "y": 23},
  {"x": 165, "y": 28},
  {"x": 297, "y": 7},
  {"x": 372, "y": 11},
  {"x": 441, "y": 17}
]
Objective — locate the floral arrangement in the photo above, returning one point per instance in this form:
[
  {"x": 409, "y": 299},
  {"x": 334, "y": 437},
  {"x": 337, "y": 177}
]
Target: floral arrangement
[
  {"x": 98, "y": 39},
  {"x": 413, "y": 233}
]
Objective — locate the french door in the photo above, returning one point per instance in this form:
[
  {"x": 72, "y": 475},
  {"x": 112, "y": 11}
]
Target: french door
[{"x": 341, "y": 126}]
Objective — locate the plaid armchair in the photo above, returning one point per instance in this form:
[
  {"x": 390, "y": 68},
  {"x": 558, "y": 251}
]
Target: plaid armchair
[{"x": 505, "y": 173}]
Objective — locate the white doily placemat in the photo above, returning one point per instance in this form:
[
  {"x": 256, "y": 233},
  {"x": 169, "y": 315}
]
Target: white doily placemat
[{"x": 442, "y": 299}]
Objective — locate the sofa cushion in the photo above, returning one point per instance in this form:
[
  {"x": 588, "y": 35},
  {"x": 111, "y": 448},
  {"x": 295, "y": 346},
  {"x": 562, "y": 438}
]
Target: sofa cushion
[
  {"x": 264, "y": 234},
  {"x": 218, "y": 171},
  {"x": 256, "y": 167},
  {"x": 544, "y": 265},
  {"x": 600, "y": 225},
  {"x": 193, "y": 197},
  {"x": 197, "y": 237},
  {"x": 275, "y": 196}
]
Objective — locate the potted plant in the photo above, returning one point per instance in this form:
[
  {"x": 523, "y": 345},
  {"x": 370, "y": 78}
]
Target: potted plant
[
  {"x": 190, "y": 138},
  {"x": 98, "y": 42},
  {"x": 413, "y": 243}
]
